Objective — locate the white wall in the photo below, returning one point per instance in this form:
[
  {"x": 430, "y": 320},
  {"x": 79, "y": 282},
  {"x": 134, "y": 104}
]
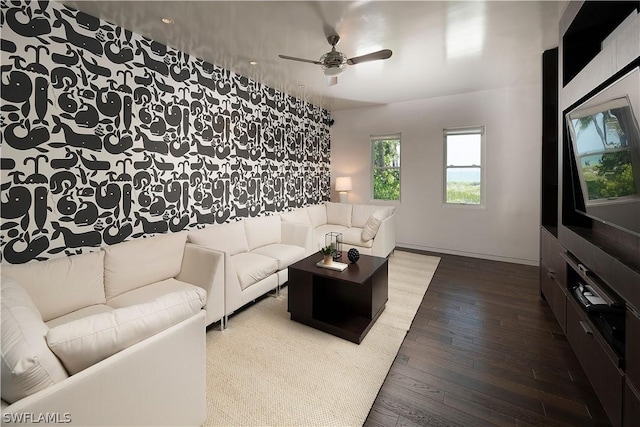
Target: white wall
[{"x": 507, "y": 227}]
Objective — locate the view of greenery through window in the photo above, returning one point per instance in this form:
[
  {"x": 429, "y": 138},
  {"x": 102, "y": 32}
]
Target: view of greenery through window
[
  {"x": 463, "y": 170},
  {"x": 461, "y": 191},
  {"x": 605, "y": 155},
  {"x": 386, "y": 167}
]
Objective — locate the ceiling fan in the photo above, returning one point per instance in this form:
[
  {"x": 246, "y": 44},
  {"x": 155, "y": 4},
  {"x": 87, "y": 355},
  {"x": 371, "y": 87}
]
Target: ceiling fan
[{"x": 334, "y": 63}]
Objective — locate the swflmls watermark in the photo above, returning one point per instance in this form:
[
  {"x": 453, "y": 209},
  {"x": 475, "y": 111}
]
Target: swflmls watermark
[{"x": 36, "y": 418}]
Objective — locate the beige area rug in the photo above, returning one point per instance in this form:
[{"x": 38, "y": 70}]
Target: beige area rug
[{"x": 267, "y": 370}]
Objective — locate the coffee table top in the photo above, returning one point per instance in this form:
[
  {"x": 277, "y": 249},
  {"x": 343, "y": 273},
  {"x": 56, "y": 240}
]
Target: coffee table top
[{"x": 359, "y": 272}]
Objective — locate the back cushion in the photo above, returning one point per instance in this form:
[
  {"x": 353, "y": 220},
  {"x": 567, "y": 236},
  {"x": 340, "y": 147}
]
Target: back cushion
[
  {"x": 299, "y": 215},
  {"x": 339, "y": 214},
  {"x": 142, "y": 261},
  {"x": 361, "y": 214},
  {"x": 317, "y": 215},
  {"x": 62, "y": 285},
  {"x": 230, "y": 237},
  {"x": 263, "y": 231},
  {"x": 27, "y": 364}
]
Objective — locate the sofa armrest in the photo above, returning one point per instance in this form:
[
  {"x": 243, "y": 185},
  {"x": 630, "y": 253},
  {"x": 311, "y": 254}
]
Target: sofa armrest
[
  {"x": 204, "y": 267},
  {"x": 294, "y": 233},
  {"x": 385, "y": 240},
  {"x": 159, "y": 381},
  {"x": 231, "y": 284}
]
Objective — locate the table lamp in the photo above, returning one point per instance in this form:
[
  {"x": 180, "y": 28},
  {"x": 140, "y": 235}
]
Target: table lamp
[{"x": 343, "y": 184}]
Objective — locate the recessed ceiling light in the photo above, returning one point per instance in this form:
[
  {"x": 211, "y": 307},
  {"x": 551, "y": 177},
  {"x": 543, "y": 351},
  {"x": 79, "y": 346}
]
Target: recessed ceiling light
[
  {"x": 253, "y": 62},
  {"x": 167, "y": 20}
]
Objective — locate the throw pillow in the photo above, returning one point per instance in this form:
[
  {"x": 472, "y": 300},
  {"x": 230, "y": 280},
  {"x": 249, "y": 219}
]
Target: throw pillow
[
  {"x": 28, "y": 365},
  {"x": 84, "y": 342},
  {"x": 373, "y": 224}
]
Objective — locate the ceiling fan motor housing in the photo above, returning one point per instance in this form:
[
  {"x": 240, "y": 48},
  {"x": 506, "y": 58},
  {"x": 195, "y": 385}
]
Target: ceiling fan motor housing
[{"x": 333, "y": 63}]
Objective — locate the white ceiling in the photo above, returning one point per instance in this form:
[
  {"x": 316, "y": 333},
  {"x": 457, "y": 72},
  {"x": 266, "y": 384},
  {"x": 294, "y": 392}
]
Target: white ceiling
[{"x": 439, "y": 48}]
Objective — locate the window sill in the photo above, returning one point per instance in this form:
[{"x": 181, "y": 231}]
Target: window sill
[
  {"x": 384, "y": 202},
  {"x": 463, "y": 205}
]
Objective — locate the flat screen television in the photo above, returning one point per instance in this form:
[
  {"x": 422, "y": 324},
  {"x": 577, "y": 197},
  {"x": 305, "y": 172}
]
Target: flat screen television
[{"x": 605, "y": 148}]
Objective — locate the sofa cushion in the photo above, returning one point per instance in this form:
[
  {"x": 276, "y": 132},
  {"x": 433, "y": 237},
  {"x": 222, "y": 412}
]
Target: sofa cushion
[
  {"x": 27, "y": 364},
  {"x": 263, "y": 231},
  {"x": 321, "y": 231},
  {"x": 339, "y": 214},
  {"x": 285, "y": 254},
  {"x": 139, "y": 262},
  {"x": 84, "y": 342},
  {"x": 61, "y": 285},
  {"x": 251, "y": 267},
  {"x": 230, "y": 237},
  {"x": 353, "y": 237},
  {"x": 317, "y": 215},
  {"x": 147, "y": 293},
  {"x": 372, "y": 226},
  {"x": 79, "y": 314},
  {"x": 361, "y": 214},
  {"x": 299, "y": 215}
]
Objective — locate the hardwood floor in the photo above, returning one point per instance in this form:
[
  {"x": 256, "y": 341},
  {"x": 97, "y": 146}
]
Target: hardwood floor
[{"x": 485, "y": 349}]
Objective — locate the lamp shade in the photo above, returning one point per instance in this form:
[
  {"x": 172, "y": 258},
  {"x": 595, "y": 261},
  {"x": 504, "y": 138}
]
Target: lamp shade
[{"x": 343, "y": 183}]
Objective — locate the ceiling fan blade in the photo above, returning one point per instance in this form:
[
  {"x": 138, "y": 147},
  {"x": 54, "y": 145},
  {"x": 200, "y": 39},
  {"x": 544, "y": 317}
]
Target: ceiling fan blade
[
  {"x": 332, "y": 81},
  {"x": 293, "y": 58},
  {"x": 374, "y": 56}
]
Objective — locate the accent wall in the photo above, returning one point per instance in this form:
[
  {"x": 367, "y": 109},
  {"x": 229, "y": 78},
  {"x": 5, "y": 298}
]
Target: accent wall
[{"x": 109, "y": 136}]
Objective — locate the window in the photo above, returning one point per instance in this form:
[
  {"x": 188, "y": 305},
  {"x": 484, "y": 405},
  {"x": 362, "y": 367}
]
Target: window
[
  {"x": 463, "y": 153},
  {"x": 385, "y": 172}
]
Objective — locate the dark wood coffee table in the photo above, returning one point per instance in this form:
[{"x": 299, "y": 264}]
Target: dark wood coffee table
[{"x": 343, "y": 303}]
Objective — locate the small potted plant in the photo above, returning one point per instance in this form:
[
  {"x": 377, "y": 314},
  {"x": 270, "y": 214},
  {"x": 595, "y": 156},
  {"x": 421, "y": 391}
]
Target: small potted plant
[{"x": 327, "y": 253}]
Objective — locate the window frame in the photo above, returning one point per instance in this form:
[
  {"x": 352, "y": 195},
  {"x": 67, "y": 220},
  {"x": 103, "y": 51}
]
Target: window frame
[
  {"x": 372, "y": 141},
  {"x": 466, "y": 130}
]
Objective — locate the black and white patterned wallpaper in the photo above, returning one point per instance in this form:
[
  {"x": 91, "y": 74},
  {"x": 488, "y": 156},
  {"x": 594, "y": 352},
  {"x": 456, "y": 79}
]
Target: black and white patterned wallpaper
[{"x": 109, "y": 136}]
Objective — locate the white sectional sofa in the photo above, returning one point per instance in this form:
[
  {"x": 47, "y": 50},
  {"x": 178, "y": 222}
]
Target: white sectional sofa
[
  {"x": 368, "y": 228},
  {"x": 117, "y": 337},
  {"x": 256, "y": 252},
  {"x": 113, "y": 337}
]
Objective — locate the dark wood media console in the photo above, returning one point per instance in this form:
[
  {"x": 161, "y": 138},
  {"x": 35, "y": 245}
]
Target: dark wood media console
[
  {"x": 612, "y": 365},
  {"x": 578, "y": 254}
]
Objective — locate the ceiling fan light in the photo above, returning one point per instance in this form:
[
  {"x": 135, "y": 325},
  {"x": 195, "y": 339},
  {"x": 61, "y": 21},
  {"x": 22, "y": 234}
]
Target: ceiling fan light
[
  {"x": 333, "y": 63},
  {"x": 334, "y": 71}
]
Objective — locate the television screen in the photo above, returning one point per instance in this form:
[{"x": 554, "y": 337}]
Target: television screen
[{"x": 606, "y": 148}]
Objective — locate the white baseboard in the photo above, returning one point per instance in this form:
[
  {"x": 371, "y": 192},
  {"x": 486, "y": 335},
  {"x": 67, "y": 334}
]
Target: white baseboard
[{"x": 536, "y": 263}]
